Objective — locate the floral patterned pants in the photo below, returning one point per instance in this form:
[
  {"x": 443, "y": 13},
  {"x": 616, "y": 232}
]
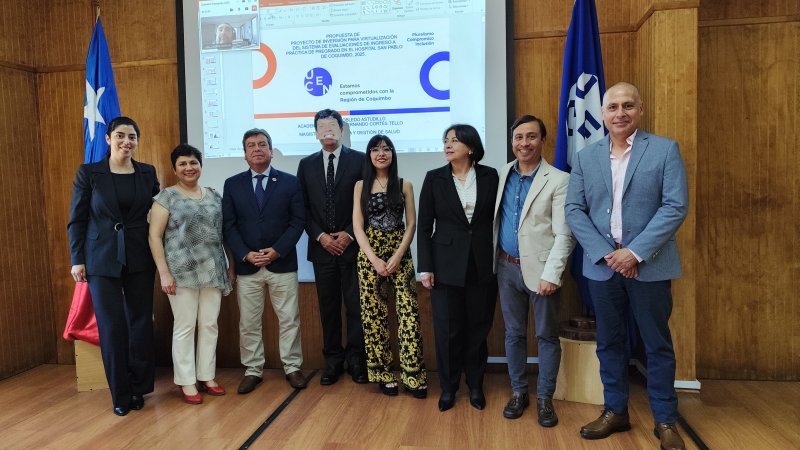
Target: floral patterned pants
[{"x": 374, "y": 291}]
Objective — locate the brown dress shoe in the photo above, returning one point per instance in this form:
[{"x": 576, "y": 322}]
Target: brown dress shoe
[
  {"x": 248, "y": 384},
  {"x": 607, "y": 423},
  {"x": 296, "y": 379},
  {"x": 670, "y": 439}
]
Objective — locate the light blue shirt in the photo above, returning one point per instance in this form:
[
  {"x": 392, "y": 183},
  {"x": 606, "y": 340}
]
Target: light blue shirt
[
  {"x": 514, "y": 193},
  {"x": 264, "y": 180}
]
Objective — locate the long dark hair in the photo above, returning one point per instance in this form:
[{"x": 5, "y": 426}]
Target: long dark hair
[{"x": 393, "y": 189}]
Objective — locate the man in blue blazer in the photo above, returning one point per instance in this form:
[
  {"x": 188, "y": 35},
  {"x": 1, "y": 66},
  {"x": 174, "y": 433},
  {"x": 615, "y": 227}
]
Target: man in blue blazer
[
  {"x": 626, "y": 199},
  {"x": 263, "y": 216},
  {"x": 328, "y": 177}
]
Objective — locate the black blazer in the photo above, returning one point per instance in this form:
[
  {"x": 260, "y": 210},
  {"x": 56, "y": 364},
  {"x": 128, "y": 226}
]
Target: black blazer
[
  {"x": 445, "y": 251},
  {"x": 95, "y": 213},
  {"x": 278, "y": 224},
  {"x": 312, "y": 178}
]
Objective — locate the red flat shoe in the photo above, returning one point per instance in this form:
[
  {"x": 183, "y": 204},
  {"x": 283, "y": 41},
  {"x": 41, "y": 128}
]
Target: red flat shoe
[
  {"x": 211, "y": 390},
  {"x": 195, "y": 399}
]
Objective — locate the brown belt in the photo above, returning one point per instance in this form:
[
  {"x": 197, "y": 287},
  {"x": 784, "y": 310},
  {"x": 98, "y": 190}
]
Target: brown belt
[
  {"x": 509, "y": 258},
  {"x": 617, "y": 245}
]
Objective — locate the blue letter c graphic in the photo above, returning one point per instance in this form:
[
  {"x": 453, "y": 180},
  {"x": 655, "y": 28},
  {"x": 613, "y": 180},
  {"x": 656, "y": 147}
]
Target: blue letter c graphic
[{"x": 425, "y": 76}]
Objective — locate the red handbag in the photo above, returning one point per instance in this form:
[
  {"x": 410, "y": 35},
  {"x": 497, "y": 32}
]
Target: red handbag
[{"x": 81, "y": 323}]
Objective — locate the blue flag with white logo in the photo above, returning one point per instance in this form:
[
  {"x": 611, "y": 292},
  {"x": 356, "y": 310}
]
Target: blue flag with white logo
[
  {"x": 579, "y": 118},
  {"x": 100, "y": 103}
]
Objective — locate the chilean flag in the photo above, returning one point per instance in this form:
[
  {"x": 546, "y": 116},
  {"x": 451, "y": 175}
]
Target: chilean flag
[{"x": 101, "y": 105}]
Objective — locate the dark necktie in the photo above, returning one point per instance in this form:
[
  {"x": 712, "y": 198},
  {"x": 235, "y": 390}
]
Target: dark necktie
[
  {"x": 260, "y": 193},
  {"x": 330, "y": 211}
]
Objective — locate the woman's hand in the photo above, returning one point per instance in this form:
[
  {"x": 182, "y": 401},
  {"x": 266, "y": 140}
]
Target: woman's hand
[
  {"x": 394, "y": 263},
  {"x": 427, "y": 280},
  {"x": 232, "y": 274},
  {"x": 78, "y": 272},
  {"x": 380, "y": 267},
  {"x": 168, "y": 284}
]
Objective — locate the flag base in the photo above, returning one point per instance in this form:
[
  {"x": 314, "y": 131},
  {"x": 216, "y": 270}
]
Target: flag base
[
  {"x": 579, "y": 375},
  {"x": 89, "y": 370}
]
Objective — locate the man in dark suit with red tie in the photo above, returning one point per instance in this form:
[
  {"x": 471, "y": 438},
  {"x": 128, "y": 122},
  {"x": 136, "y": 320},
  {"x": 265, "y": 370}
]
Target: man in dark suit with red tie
[{"x": 328, "y": 178}]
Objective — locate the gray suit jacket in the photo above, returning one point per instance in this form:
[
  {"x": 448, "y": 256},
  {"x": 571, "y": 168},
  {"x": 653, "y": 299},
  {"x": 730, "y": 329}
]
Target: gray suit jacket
[{"x": 655, "y": 201}]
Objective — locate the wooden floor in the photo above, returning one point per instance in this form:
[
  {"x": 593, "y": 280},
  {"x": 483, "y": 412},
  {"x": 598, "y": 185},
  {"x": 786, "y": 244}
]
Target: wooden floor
[{"x": 41, "y": 409}]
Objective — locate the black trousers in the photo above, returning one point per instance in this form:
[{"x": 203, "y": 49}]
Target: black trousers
[
  {"x": 124, "y": 310},
  {"x": 462, "y": 318},
  {"x": 337, "y": 284}
]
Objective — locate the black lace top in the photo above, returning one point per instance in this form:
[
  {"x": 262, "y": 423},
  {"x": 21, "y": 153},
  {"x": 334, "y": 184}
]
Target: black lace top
[{"x": 381, "y": 216}]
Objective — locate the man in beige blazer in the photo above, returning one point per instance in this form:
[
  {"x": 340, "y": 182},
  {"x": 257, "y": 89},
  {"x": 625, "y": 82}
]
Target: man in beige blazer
[{"x": 532, "y": 243}]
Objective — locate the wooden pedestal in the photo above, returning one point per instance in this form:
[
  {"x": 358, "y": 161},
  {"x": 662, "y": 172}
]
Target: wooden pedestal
[
  {"x": 89, "y": 367},
  {"x": 579, "y": 375}
]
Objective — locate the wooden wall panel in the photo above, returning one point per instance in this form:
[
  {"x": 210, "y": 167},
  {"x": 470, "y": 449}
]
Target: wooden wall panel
[
  {"x": 136, "y": 30},
  {"x": 639, "y": 9},
  {"x": 551, "y": 18},
  {"x": 65, "y": 32},
  {"x": 738, "y": 9},
  {"x": 17, "y": 41},
  {"x": 140, "y": 30},
  {"x": 26, "y": 318},
  {"x": 666, "y": 73},
  {"x": 60, "y": 115},
  {"x": 749, "y": 202}
]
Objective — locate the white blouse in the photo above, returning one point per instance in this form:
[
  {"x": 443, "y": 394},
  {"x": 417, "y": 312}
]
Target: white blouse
[{"x": 467, "y": 193}]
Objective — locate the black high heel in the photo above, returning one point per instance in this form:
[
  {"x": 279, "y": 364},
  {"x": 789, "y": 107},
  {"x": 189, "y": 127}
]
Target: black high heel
[
  {"x": 477, "y": 399},
  {"x": 388, "y": 390},
  {"x": 421, "y": 392},
  {"x": 446, "y": 400}
]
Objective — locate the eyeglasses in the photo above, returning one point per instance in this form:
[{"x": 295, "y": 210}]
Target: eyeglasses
[{"x": 380, "y": 150}]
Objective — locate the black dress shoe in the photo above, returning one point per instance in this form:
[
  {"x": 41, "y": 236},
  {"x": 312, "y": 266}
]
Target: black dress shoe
[
  {"x": 516, "y": 405},
  {"x": 121, "y": 411},
  {"x": 476, "y": 398},
  {"x": 249, "y": 382},
  {"x": 137, "y": 401},
  {"x": 446, "y": 400},
  {"x": 358, "y": 373},
  {"x": 329, "y": 377},
  {"x": 546, "y": 413}
]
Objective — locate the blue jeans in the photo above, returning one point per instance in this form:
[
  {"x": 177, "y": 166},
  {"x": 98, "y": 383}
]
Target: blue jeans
[
  {"x": 514, "y": 300},
  {"x": 651, "y": 305}
]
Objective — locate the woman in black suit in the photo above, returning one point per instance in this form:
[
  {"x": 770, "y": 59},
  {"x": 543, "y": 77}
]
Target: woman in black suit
[
  {"x": 108, "y": 248},
  {"x": 457, "y": 200}
]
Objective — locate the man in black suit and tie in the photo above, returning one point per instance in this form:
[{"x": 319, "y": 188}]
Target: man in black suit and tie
[
  {"x": 328, "y": 178},
  {"x": 262, "y": 216}
]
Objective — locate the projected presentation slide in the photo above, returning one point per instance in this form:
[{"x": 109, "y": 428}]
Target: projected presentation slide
[{"x": 405, "y": 68}]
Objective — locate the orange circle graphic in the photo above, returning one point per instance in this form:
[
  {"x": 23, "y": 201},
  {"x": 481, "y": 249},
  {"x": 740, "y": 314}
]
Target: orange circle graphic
[{"x": 272, "y": 67}]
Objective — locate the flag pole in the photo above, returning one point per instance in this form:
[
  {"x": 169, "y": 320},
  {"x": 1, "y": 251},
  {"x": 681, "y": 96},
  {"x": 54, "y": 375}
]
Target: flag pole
[{"x": 96, "y": 4}]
